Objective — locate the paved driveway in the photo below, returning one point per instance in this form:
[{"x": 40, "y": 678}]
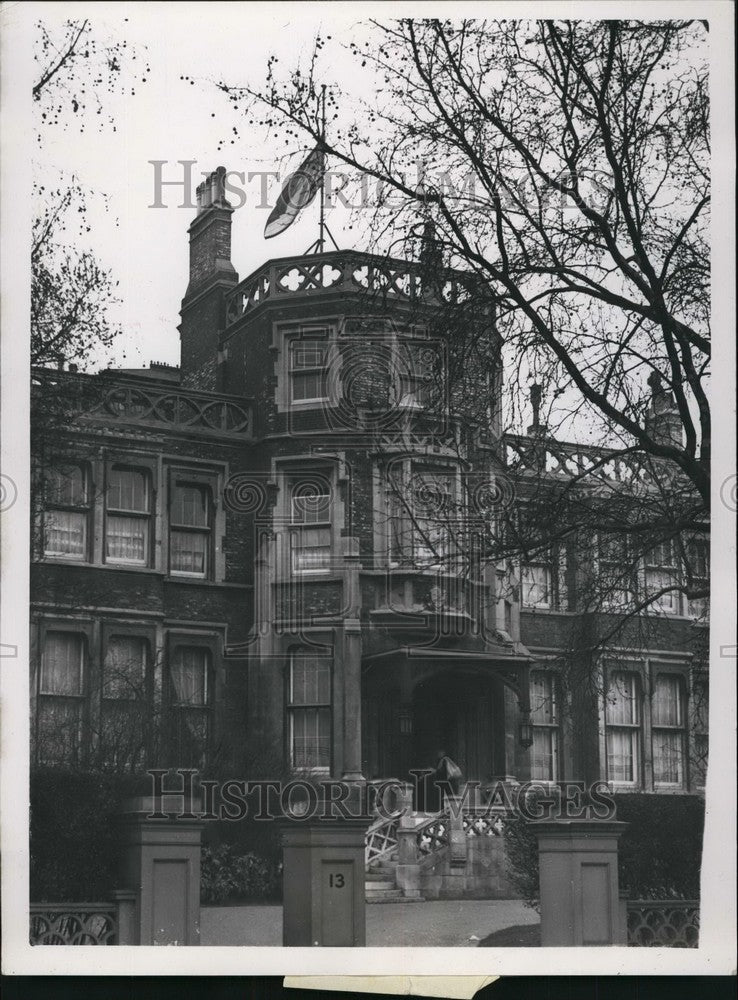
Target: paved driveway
[{"x": 439, "y": 923}]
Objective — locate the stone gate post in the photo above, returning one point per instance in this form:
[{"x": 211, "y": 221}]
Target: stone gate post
[
  {"x": 580, "y": 901},
  {"x": 161, "y": 864}
]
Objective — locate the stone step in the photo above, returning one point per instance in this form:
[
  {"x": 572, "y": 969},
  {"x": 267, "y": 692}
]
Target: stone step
[
  {"x": 380, "y": 875},
  {"x": 394, "y": 896},
  {"x": 377, "y": 884},
  {"x": 385, "y": 896}
]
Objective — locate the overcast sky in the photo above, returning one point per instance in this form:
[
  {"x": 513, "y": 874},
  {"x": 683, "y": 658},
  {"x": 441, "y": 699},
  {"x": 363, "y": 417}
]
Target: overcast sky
[{"x": 168, "y": 118}]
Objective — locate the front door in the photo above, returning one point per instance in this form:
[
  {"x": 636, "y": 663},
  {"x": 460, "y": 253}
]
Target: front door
[{"x": 453, "y": 713}]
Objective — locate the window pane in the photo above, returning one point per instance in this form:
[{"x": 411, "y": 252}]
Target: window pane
[
  {"x": 125, "y": 668},
  {"x": 188, "y": 672},
  {"x": 311, "y": 503},
  {"x": 190, "y": 736},
  {"x": 536, "y": 586},
  {"x": 311, "y": 550},
  {"x": 621, "y": 701},
  {"x": 543, "y": 709},
  {"x": 65, "y": 533},
  {"x": 307, "y": 354},
  {"x": 128, "y": 490},
  {"x": 658, "y": 579},
  {"x": 126, "y": 539},
  {"x": 667, "y": 757},
  {"x": 59, "y": 730},
  {"x": 662, "y": 555},
  {"x": 61, "y": 664},
  {"x": 309, "y": 385},
  {"x": 311, "y": 679},
  {"x": 65, "y": 485},
  {"x": 621, "y": 755},
  {"x": 190, "y": 506},
  {"x": 311, "y": 738},
  {"x": 543, "y": 754},
  {"x": 666, "y": 704},
  {"x": 188, "y": 552},
  {"x": 122, "y": 743}
]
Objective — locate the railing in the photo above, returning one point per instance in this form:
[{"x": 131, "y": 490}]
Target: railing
[
  {"x": 344, "y": 271},
  {"x": 381, "y": 841},
  {"x": 483, "y": 824},
  {"x": 74, "y": 923},
  {"x": 431, "y": 837},
  {"x": 97, "y": 397},
  {"x": 557, "y": 459},
  {"x": 663, "y": 923}
]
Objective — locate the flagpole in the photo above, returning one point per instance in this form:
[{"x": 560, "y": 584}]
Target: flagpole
[{"x": 321, "y": 238}]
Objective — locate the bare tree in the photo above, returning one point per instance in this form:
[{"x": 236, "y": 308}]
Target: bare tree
[
  {"x": 567, "y": 164},
  {"x": 71, "y": 292}
]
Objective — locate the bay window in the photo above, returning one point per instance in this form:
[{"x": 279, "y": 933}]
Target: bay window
[
  {"x": 61, "y": 697},
  {"x": 667, "y": 735},
  {"x": 309, "y": 711},
  {"x": 190, "y": 529},
  {"x": 67, "y": 513},
  {"x": 128, "y": 516},
  {"x": 622, "y": 720}
]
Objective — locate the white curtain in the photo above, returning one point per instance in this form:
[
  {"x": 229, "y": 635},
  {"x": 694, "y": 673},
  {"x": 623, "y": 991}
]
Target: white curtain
[
  {"x": 189, "y": 676},
  {"x": 66, "y": 532},
  {"x": 621, "y": 755},
  {"x": 61, "y": 665},
  {"x": 126, "y": 538}
]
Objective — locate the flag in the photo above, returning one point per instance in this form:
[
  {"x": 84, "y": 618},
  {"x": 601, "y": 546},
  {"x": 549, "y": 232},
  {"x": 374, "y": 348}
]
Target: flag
[{"x": 299, "y": 190}]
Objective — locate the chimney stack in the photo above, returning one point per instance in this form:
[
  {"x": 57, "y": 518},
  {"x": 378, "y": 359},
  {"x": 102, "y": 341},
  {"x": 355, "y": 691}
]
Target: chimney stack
[
  {"x": 212, "y": 276},
  {"x": 210, "y": 233}
]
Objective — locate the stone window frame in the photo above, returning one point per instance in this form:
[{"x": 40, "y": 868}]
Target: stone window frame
[
  {"x": 679, "y": 729},
  {"x": 211, "y": 642},
  {"x": 646, "y": 668},
  {"x": 285, "y": 470},
  {"x": 641, "y": 569},
  {"x": 283, "y": 336},
  {"x": 150, "y": 466},
  {"x": 635, "y": 670},
  {"x": 48, "y": 506},
  {"x": 544, "y": 559},
  {"x": 411, "y": 464},
  {"x": 290, "y": 708},
  {"x": 83, "y": 628},
  {"x": 211, "y": 478},
  {"x": 554, "y": 727}
]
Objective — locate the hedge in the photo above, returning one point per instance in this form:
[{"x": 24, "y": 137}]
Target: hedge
[
  {"x": 75, "y": 852},
  {"x": 660, "y": 853},
  {"x": 73, "y": 838}
]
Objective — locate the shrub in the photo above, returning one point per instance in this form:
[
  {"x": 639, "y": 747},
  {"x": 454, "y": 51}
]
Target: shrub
[
  {"x": 226, "y": 875},
  {"x": 659, "y": 856},
  {"x": 521, "y": 851}
]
